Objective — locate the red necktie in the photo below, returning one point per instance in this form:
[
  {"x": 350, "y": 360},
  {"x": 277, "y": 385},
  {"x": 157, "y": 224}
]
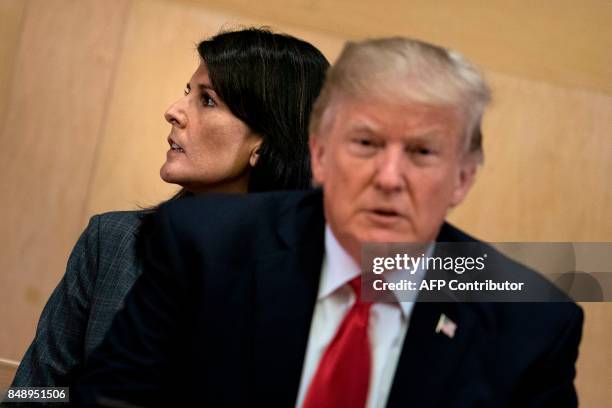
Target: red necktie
[{"x": 343, "y": 375}]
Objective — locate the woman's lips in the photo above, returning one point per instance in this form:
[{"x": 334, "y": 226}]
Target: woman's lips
[{"x": 177, "y": 148}]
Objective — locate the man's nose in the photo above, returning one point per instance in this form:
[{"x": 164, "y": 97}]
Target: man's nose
[
  {"x": 390, "y": 170},
  {"x": 176, "y": 115}
]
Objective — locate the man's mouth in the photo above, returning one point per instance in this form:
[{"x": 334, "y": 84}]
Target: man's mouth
[{"x": 384, "y": 212}]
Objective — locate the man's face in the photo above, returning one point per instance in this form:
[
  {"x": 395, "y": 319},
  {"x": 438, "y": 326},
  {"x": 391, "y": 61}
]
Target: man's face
[{"x": 389, "y": 171}]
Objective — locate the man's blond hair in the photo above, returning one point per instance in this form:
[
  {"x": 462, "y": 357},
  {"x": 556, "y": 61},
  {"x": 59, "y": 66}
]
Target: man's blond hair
[{"x": 405, "y": 70}]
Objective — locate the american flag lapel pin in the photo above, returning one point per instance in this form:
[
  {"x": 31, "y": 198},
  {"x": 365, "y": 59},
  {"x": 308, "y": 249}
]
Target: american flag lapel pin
[{"x": 446, "y": 326}]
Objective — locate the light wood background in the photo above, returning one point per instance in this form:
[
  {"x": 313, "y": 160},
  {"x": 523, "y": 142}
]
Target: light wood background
[
  {"x": 7, "y": 373},
  {"x": 84, "y": 84}
]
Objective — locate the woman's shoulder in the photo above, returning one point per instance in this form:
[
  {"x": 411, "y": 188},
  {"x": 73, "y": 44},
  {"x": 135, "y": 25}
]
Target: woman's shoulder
[
  {"x": 111, "y": 235},
  {"x": 104, "y": 264},
  {"x": 120, "y": 222}
]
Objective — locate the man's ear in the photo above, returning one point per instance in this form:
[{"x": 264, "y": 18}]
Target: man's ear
[
  {"x": 254, "y": 157},
  {"x": 465, "y": 179},
  {"x": 317, "y": 158}
]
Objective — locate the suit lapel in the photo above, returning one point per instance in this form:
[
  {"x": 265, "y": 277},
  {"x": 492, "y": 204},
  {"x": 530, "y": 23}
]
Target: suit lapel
[
  {"x": 428, "y": 357},
  {"x": 285, "y": 292}
]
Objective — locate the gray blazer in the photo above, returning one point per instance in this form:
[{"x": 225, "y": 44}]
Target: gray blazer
[{"x": 101, "y": 270}]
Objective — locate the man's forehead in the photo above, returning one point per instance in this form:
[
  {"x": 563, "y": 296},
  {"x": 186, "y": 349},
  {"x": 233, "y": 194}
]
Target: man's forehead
[
  {"x": 408, "y": 120},
  {"x": 360, "y": 124}
]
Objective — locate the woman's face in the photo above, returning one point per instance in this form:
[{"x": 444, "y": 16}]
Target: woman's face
[{"x": 211, "y": 150}]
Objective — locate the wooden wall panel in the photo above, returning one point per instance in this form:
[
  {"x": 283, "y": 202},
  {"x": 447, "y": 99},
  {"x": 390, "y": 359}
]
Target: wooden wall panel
[
  {"x": 548, "y": 160},
  {"x": 11, "y": 18},
  {"x": 559, "y": 41},
  {"x": 63, "y": 70},
  {"x": 546, "y": 178},
  {"x": 7, "y": 372}
]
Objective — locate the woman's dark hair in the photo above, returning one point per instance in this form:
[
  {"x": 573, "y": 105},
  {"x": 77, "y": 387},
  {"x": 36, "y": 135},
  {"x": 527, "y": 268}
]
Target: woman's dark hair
[{"x": 270, "y": 82}]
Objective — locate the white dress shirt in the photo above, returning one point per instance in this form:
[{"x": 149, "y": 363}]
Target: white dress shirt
[{"x": 387, "y": 324}]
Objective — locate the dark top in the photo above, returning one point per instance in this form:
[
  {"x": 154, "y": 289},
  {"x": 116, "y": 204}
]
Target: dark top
[
  {"x": 221, "y": 315},
  {"x": 101, "y": 270}
]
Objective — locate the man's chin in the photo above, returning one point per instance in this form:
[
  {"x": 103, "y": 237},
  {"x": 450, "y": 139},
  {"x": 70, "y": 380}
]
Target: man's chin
[{"x": 385, "y": 235}]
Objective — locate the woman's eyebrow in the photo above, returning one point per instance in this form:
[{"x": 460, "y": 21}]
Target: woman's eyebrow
[
  {"x": 206, "y": 86},
  {"x": 201, "y": 86}
]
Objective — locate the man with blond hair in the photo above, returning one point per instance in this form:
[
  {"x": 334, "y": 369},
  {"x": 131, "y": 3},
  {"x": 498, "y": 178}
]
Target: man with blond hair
[{"x": 255, "y": 300}]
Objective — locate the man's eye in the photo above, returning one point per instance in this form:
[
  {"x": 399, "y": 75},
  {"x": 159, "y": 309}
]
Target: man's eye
[
  {"x": 363, "y": 142},
  {"x": 363, "y": 146},
  {"x": 186, "y": 91},
  {"x": 420, "y": 151}
]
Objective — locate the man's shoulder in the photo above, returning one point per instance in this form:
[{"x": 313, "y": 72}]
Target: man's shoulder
[
  {"x": 544, "y": 307},
  {"x": 220, "y": 202},
  {"x": 243, "y": 209},
  {"x": 257, "y": 218},
  {"x": 450, "y": 233}
]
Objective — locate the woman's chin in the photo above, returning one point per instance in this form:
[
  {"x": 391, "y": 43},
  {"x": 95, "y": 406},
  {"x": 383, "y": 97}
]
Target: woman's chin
[{"x": 169, "y": 176}]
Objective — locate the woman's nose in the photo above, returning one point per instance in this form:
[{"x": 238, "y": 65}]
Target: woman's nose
[{"x": 175, "y": 115}]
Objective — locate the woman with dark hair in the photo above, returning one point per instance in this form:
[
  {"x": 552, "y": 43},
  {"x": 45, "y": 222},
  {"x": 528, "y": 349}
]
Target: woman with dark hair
[{"x": 240, "y": 127}]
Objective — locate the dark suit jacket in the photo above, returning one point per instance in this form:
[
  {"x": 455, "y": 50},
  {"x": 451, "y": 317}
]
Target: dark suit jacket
[
  {"x": 222, "y": 314},
  {"x": 101, "y": 269}
]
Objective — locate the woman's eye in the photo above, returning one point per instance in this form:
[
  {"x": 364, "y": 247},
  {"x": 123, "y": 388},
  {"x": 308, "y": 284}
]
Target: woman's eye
[{"x": 207, "y": 100}]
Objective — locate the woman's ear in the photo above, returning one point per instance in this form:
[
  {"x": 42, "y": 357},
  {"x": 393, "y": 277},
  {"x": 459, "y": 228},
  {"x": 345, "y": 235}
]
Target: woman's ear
[{"x": 254, "y": 157}]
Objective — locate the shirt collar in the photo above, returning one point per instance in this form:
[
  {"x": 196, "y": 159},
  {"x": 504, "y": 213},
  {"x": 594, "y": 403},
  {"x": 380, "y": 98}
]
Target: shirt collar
[{"x": 339, "y": 269}]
